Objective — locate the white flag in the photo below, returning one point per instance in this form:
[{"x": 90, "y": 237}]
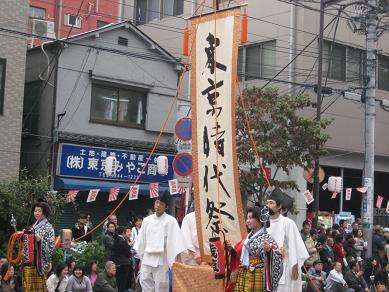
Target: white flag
[
  {"x": 348, "y": 194},
  {"x": 173, "y": 186},
  {"x": 134, "y": 192},
  {"x": 308, "y": 197},
  {"x": 92, "y": 195}
]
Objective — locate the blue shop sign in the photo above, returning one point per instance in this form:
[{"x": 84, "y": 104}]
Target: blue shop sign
[{"x": 79, "y": 161}]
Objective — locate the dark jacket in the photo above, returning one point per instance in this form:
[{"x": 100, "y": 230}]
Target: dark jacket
[
  {"x": 122, "y": 252},
  {"x": 78, "y": 232},
  {"x": 354, "y": 282},
  {"x": 105, "y": 284}
]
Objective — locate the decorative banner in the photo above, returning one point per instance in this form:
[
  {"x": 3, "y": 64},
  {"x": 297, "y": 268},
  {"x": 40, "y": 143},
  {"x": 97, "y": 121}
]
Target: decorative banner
[
  {"x": 362, "y": 189},
  {"x": 334, "y": 194},
  {"x": 324, "y": 186},
  {"x": 113, "y": 194},
  {"x": 92, "y": 195},
  {"x": 71, "y": 196},
  {"x": 213, "y": 91},
  {"x": 173, "y": 186},
  {"x": 308, "y": 197},
  {"x": 387, "y": 207},
  {"x": 154, "y": 190},
  {"x": 134, "y": 193},
  {"x": 348, "y": 194},
  {"x": 379, "y": 201}
]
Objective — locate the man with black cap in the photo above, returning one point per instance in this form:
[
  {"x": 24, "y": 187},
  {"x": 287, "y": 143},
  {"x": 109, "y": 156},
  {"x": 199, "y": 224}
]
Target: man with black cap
[
  {"x": 286, "y": 234},
  {"x": 317, "y": 277},
  {"x": 159, "y": 242}
]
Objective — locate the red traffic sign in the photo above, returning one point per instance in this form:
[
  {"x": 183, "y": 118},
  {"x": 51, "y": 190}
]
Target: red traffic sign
[
  {"x": 183, "y": 129},
  {"x": 182, "y": 164}
]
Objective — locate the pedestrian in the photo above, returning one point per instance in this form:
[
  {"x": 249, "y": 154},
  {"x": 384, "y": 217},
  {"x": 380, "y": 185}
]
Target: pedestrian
[
  {"x": 78, "y": 282},
  {"x": 371, "y": 267},
  {"x": 306, "y": 230},
  {"x": 317, "y": 277},
  {"x": 136, "y": 228},
  {"x": 58, "y": 281},
  {"x": 354, "y": 278},
  {"x": 189, "y": 231},
  {"x": 340, "y": 254},
  {"x": 38, "y": 248},
  {"x": 109, "y": 240},
  {"x": 111, "y": 219},
  {"x": 159, "y": 243},
  {"x": 335, "y": 280},
  {"x": 349, "y": 246},
  {"x": 106, "y": 281},
  {"x": 122, "y": 259},
  {"x": 327, "y": 255},
  {"x": 8, "y": 280},
  {"x": 287, "y": 236},
  {"x": 80, "y": 230},
  {"x": 71, "y": 263},
  {"x": 360, "y": 245},
  {"x": 91, "y": 271}
]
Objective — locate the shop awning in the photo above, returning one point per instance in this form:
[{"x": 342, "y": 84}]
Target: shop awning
[{"x": 61, "y": 183}]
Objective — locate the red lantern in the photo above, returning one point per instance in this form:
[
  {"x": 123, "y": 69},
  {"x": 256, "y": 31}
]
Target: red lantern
[{"x": 218, "y": 257}]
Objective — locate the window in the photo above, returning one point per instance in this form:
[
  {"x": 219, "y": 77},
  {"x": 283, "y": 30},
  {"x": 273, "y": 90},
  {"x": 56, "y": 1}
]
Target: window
[
  {"x": 123, "y": 41},
  {"x": 149, "y": 10},
  {"x": 72, "y": 20},
  {"x": 101, "y": 23},
  {"x": 37, "y": 13},
  {"x": 31, "y": 107},
  {"x": 256, "y": 61},
  {"x": 118, "y": 106},
  {"x": 383, "y": 72},
  {"x": 337, "y": 66},
  {"x": 2, "y": 83},
  {"x": 355, "y": 61}
]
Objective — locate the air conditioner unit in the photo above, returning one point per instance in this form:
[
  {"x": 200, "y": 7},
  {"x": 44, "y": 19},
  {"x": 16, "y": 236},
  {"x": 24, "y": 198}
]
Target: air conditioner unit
[{"x": 43, "y": 28}]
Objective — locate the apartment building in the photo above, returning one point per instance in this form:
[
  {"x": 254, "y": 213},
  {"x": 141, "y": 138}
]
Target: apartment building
[
  {"x": 12, "y": 65},
  {"x": 277, "y": 32}
]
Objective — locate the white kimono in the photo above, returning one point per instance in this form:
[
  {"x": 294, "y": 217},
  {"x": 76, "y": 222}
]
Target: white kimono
[
  {"x": 189, "y": 231},
  {"x": 158, "y": 243},
  {"x": 286, "y": 234}
]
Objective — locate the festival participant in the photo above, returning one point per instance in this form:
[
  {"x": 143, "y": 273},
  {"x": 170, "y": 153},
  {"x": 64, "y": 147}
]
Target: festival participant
[
  {"x": 38, "y": 248},
  {"x": 288, "y": 238},
  {"x": 189, "y": 231},
  {"x": 159, "y": 242},
  {"x": 260, "y": 259}
]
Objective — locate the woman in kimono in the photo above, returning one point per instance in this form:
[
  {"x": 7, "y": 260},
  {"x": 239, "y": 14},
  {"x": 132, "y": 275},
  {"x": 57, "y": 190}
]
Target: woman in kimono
[
  {"x": 38, "y": 248},
  {"x": 257, "y": 257}
]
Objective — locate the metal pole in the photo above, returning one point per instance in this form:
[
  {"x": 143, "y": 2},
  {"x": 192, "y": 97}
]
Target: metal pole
[
  {"x": 368, "y": 198},
  {"x": 316, "y": 182}
]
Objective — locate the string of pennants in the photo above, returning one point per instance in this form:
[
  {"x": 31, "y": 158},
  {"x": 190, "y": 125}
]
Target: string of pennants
[
  {"x": 174, "y": 189},
  {"x": 308, "y": 196}
]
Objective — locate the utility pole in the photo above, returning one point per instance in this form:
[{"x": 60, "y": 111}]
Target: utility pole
[
  {"x": 316, "y": 181},
  {"x": 368, "y": 197}
]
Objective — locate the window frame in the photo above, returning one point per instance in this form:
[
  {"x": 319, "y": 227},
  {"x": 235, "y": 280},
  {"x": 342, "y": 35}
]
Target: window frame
[
  {"x": 117, "y": 123},
  {"x": 379, "y": 58},
  {"x": 3, "y": 66},
  {"x": 161, "y": 12},
  {"x": 39, "y": 8},
  {"x": 78, "y": 19},
  {"x": 243, "y": 74}
]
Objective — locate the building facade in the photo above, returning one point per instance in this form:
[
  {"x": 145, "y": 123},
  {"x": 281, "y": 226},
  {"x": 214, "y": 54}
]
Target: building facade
[
  {"x": 111, "y": 91},
  {"x": 278, "y": 31},
  {"x": 12, "y": 65}
]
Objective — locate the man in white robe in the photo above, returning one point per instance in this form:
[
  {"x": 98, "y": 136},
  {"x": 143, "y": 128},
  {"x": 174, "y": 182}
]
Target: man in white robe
[
  {"x": 189, "y": 231},
  {"x": 286, "y": 234},
  {"x": 158, "y": 244}
]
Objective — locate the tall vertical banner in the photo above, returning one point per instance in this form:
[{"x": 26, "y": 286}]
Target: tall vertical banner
[{"x": 215, "y": 40}]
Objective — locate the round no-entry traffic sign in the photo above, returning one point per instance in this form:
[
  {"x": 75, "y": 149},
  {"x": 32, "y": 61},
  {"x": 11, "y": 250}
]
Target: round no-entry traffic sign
[
  {"x": 183, "y": 129},
  {"x": 182, "y": 164}
]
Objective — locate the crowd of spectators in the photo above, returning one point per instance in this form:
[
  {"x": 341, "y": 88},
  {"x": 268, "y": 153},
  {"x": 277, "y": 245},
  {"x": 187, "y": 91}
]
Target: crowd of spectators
[{"x": 338, "y": 262}]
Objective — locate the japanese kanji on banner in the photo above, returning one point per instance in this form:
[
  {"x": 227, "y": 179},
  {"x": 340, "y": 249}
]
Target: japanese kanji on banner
[
  {"x": 134, "y": 192},
  {"x": 154, "y": 188},
  {"x": 348, "y": 194},
  {"x": 215, "y": 39},
  {"x": 308, "y": 197},
  {"x": 173, "y": 186},
  {"x": 92, "y": 195},
  {"x": 71, "y": 196},
  {"x": 113, "y": 194}
]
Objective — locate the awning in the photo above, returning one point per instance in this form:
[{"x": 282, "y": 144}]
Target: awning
[{"x": 61, "y": 183}]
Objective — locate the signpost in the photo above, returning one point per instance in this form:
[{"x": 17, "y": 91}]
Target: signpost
[{"x": 182, "y": 164}]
